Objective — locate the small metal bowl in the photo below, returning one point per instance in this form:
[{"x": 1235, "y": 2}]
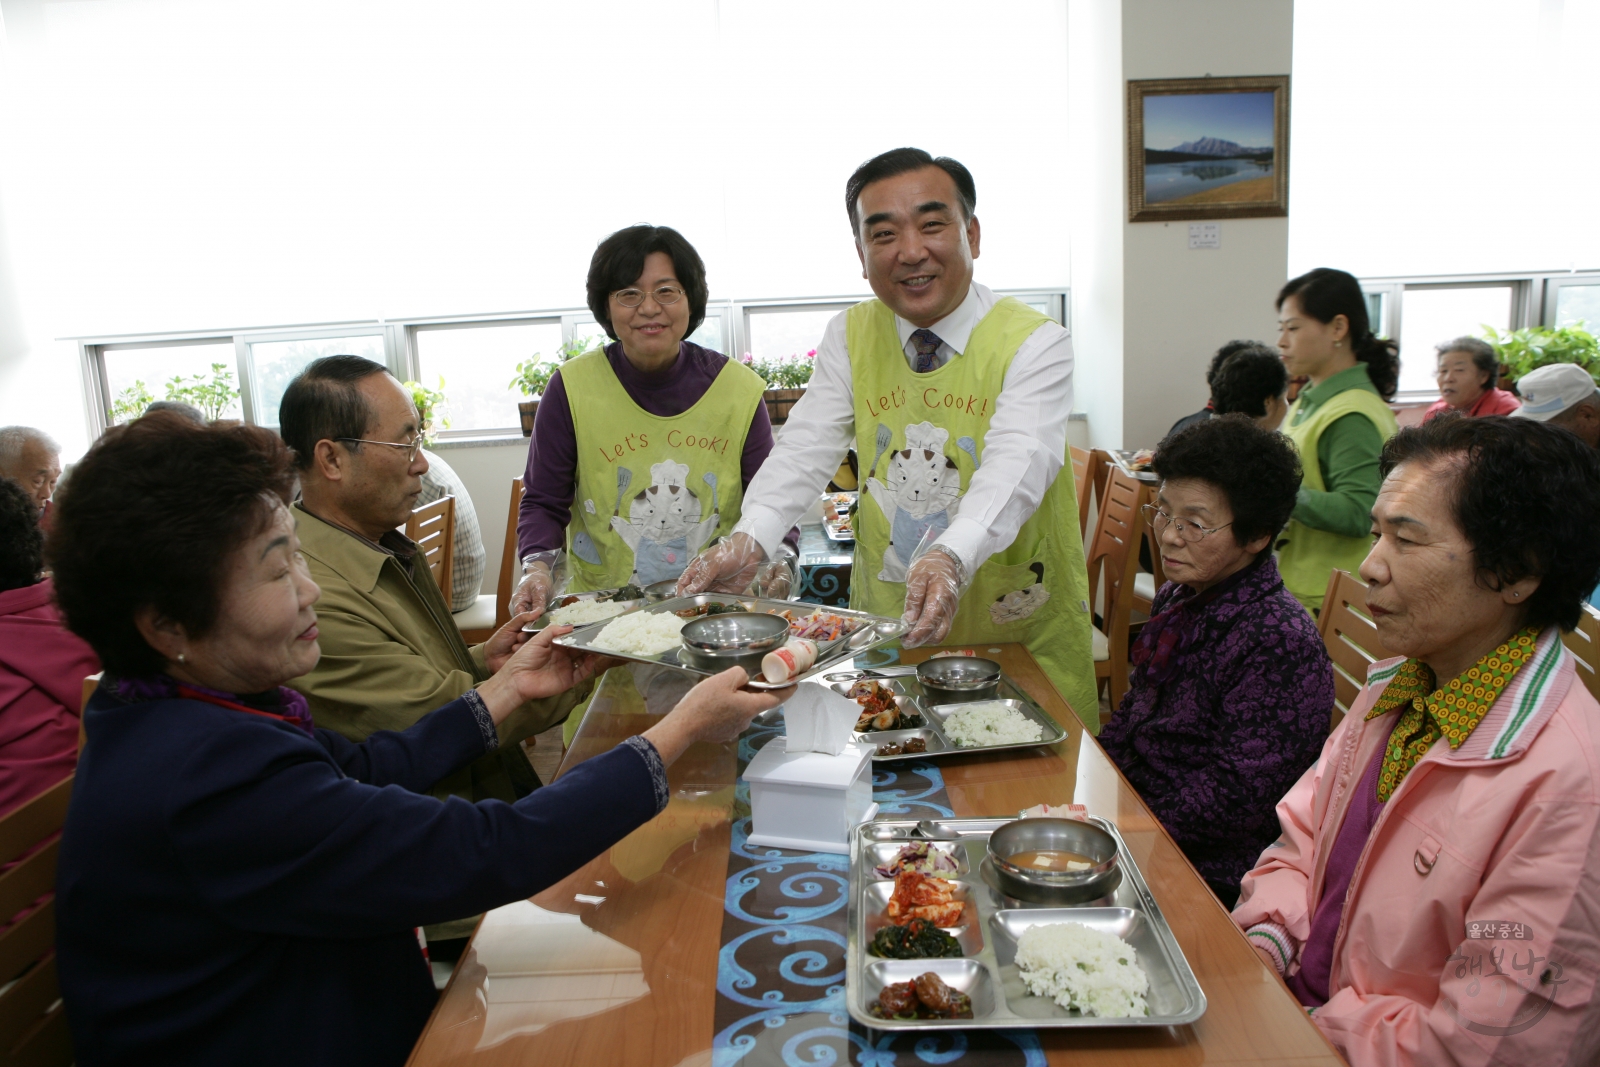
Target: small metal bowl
[
  {"x": 1069, "y": 835},
  {"x": 736, "y": 632},
  {"x": 656, "y": 592},
  {"x": 957, "y": 679}
]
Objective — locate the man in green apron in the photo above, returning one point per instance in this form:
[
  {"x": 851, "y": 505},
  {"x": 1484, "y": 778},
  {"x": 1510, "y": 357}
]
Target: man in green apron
[{"x": 961, "y": 399}]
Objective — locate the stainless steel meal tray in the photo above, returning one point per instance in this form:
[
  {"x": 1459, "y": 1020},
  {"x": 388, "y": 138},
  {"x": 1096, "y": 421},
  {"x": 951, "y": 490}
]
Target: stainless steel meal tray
[
  {"x": 988, "y": 935},
  {"x": 875, "y": 630},
  {"x": 935, "y": 713}
]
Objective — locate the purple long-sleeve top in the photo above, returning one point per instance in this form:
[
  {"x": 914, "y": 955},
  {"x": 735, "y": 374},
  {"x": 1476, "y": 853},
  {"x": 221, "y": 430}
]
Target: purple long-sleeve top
[
  {"x": 1214, "y": 738},
  {"x": 551, "y": 478}
]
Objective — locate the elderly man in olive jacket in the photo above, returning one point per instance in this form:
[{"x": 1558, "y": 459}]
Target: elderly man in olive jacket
[{"x": 391, "y": 652}]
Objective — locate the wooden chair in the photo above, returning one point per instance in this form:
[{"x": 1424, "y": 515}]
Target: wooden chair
[
  {"x": 1080, "y": 482},
  {"x": 1584, "y": 644},
  {"x": 510, "y": 564},
  {"x": 1113, "y": 560},
  {"x": 433, "y": 528},
  {"x": 1100, "y": 464},
  {"x": 1351, "y": 638},
  {"x": 33, "y": 1023}
]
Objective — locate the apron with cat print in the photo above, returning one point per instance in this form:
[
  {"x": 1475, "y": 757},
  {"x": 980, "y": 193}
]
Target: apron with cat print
[
  {"x": 652, "y": 490},
  {"x": 1034, "y": 591}
]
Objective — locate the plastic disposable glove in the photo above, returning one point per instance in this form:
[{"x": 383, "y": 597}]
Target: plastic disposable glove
[
  {"x": 730, "y": 565},
  {"x": 778, "y": 579},
  {"x": 933, "y": 592},
  {"x": 543, "y": 577}
]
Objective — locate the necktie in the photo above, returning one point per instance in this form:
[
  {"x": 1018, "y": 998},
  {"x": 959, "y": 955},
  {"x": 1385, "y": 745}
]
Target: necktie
[{"x": 927, "y": 343}]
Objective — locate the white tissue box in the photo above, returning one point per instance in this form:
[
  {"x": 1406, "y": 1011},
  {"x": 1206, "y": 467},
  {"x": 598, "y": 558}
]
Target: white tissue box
[{"x": 809, "y": 800}]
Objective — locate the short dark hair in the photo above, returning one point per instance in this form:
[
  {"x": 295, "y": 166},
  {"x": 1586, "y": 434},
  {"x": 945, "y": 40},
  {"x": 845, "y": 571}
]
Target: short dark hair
[
  {"x": 1324, "y": 294},
  {"x": 619, "y": 260},
  {"x": 1222, "y": 355},
  {"x": 152, "y": 515},
  {"x": 903, "y": 161},
  {"x": 1483, "y": 356},
  {"x": 1247, "y": 380},
  {"x": 1257, "y": 470},
  {"x": 1527, "y": 498},
  {"x": 322, "y": 404},
  {"x": 188, "y": 411},
  {"x": 21, "y": 541}
]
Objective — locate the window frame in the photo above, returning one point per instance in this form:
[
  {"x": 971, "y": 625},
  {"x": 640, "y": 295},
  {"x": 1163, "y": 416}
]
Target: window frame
[
  {"x": 401, "y": 353},
  {"x": 1533, "y": 302}
]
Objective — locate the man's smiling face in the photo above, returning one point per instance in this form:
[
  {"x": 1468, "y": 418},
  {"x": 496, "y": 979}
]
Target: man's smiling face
[{"x": 916, "y": 244}]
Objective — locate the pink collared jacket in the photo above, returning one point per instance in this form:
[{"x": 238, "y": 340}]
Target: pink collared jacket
[
  {"x": 42, "y": 668},
  {"x": 1471, "y": 931}
]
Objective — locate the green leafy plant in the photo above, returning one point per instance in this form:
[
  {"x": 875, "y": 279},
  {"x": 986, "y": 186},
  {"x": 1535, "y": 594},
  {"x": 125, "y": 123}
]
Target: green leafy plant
[
  {"x": 430, "y": 408},
  {"x": 535, "y": 372},
  {"x": 792, "y": 372},
  {"x": 212, "y": 395},
  {"x": 130, "y": 403},
  {"x": 1528, "y": 349}
]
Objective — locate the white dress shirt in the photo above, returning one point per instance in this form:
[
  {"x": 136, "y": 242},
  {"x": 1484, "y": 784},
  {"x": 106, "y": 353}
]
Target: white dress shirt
[{"x": 1023, "y": 450}]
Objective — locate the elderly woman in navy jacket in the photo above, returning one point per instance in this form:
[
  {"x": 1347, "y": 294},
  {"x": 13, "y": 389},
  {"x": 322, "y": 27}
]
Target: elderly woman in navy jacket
[{"x": 237, "y": 886}]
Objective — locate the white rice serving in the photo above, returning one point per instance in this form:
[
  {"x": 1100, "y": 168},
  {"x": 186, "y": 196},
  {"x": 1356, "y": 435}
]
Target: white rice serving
[
  {"x": 586, "y": 611},
  {"x": 990, "y": 722},
  {"x": 641, "y": 634},
  {"x": 1077, "y": 967}
]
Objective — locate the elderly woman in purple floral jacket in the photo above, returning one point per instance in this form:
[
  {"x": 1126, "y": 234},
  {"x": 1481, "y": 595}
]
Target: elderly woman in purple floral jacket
[{"x": 1231, "y": 690}]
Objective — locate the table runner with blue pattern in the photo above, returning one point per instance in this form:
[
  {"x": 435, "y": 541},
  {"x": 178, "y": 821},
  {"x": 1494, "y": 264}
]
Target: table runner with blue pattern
[{"x": 781, "y": 964}]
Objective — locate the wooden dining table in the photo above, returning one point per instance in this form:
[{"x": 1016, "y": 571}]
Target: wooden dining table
[{"x": 617, "y": 964}]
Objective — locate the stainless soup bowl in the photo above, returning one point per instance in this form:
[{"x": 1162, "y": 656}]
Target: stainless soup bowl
[
  {"x": 736, "y": 632},
  {"x": 957, "y": 679},
  {"x": 1066, "y": 835}
]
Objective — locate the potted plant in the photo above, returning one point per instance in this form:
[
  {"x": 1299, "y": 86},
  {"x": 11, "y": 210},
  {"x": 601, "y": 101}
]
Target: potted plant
[
  {"x": 212, "y": 396},
  {"x": 430, "y": 408},
  {"x": 786, "y": 382},
  {"x": 534, "y": 374},
  {"x": 130, "y": 403},
  {"x": 1521, "y": 351}
]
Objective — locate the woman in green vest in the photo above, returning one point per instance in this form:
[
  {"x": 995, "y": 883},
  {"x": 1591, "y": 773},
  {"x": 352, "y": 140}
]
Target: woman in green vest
[
  {"x": 1339, "y": 423},
  {"x": 641, "y": 449}
]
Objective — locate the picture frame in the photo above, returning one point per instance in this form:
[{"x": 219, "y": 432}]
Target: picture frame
[{"x": 1196, "y": 151}]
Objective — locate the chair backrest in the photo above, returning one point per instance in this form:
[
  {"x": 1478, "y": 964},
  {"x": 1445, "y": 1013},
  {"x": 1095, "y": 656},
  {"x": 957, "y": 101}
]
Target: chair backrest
[
  {"x": 510, "y": 569},
  {"x": 1113, "y": 561},
  {"x": 1584, "y": 644},
  {"x": 1351, "y": 638},
  {"x": 433, "y": 528},
  {"x": 33, "y": 1023},
  {"x": 1080, "y": 482}
]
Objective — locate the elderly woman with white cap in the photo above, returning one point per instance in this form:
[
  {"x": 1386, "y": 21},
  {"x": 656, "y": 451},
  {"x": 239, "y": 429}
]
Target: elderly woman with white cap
[{"x": 1564, "y": 395}]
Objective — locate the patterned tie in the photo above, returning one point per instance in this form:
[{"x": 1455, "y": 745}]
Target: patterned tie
[{"x": 927, "y": 343}]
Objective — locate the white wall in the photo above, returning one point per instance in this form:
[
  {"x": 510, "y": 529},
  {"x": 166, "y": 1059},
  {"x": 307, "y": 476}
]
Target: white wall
[
  {"x": 1148, "y": 312},
  {"x": 191, "y": 164},
  {"x": 1450, "y": 138}
]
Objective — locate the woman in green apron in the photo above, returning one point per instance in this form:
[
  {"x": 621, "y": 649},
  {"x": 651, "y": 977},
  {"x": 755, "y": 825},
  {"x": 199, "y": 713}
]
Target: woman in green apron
[
  {"x": 642, "y": 448},
  {"x": 1339, "y": 423}
]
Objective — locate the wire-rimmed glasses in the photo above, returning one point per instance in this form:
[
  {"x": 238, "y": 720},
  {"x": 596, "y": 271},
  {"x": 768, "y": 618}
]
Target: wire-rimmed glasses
[
  {"x": 412, "y": 446},
  {"x": 1189, "y": 531},
  {"x": 664, "y": 294}
]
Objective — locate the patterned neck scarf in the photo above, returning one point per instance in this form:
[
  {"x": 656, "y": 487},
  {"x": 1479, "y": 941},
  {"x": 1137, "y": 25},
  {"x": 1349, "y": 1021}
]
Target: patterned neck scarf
[{"x": 1452, "y": 712}]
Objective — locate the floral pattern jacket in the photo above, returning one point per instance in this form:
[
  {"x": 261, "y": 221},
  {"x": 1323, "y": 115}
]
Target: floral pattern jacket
[{"x": 1215, "y": 733}]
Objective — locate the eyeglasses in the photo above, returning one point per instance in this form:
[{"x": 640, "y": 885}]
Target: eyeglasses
[
  {"x": 1188, "y": 530},
  {"x": 664, "y": 294},
  {"x": 412, "y": 446}
]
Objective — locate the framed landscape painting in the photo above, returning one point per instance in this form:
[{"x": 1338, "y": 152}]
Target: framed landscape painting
[{"x": 1208, "y": 148}]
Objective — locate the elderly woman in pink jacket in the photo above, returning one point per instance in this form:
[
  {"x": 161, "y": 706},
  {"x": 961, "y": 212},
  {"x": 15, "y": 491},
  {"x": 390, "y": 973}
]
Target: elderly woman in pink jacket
[{"x": 1435, "y": 896}]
